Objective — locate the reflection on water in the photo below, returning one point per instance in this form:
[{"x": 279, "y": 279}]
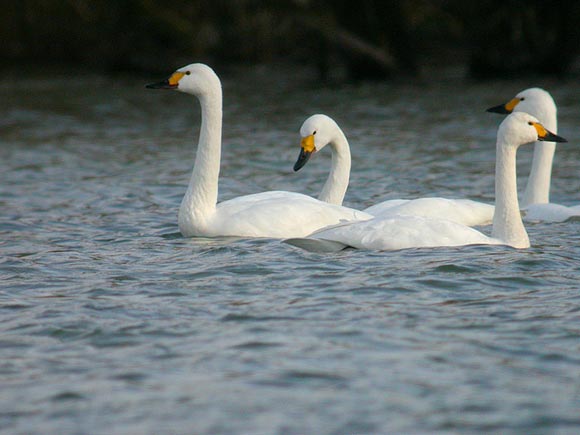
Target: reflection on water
[{"x": 112, "y": 322}]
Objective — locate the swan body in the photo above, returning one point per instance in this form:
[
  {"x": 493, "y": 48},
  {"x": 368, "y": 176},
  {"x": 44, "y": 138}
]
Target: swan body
[
  {"x": 321, "y": 130},
  {"x": 391, "y": 233},
  {"x": 268, "y": 214},
  {"x": 274, "y": 214},
  {"x": 404, "y": 231},
  {"x": 549, "y": 212},
  {"x": 462, "y": 211},
  {"x": 536, "y": 206}
]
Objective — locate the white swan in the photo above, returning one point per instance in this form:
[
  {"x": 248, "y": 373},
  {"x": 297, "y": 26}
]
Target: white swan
[
  {"x": 536, "y": 203},
  {"x": 321, "y": 130},
  {"x": 400, "y": 232},
  {"x": 268, "y": 214}
]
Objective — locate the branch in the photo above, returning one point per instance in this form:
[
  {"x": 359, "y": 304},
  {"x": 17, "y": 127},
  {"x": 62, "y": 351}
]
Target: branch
[{"x": 350, "y": 42}]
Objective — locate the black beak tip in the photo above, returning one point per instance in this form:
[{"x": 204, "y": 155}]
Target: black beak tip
[
  {"x": 561, "y": 139},
  {"x": 160, "y": 85},
  {"x": 498, "y": 109},
  {"x": 551, "y": 137},
  {"x": 302, "y": 159}
]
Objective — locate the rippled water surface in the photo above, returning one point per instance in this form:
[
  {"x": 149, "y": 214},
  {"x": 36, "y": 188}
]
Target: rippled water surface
[{"x": 111, "y": 322}]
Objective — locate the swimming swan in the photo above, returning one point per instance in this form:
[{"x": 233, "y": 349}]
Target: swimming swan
[
  {"x": 400, "y": 232},
  {"x": 321, "y": 130},
  {"x": 268, "y": 214},
  {"x": 536, "y": 203}
]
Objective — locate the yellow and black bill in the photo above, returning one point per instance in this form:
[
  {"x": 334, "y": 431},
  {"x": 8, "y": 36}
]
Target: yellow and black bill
[
  {"x": 506, "y": 108},
  {"x": 307, "y": 147},
  {"x": 546, "y": 135},
  {"x": 303, "y": 157},
  {"x": 170, "y": 83}
]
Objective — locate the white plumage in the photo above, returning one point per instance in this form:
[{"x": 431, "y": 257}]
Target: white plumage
[
  {"x": 321, "y": 130},
  {"x": 535, "y": 204},
  {"x": 268, "y": 214},
  {"x": 404, "y": 231}
]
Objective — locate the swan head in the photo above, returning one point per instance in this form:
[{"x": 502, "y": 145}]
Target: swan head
[
  {"x": 520, "y": 128},
  {"x": 317, "y": 132},
  {"x": 535, "y": 101},
  {"x": 196, "y": 79}
]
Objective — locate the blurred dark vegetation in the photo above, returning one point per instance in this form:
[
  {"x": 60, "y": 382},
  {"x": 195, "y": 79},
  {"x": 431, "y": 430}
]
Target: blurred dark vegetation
[{"x": 363, "y": 38}]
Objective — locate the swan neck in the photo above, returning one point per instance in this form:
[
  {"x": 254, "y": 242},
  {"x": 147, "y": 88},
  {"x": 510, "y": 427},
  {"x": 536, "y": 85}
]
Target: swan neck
[
  {"x": 336, "y": 184},
  {"x": 200, "y": 199},
  {"x": 507, "y": 221},
  {"x": 537, "y": 189}
]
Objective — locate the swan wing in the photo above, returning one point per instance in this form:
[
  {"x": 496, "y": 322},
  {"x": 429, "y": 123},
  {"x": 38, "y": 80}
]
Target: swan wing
[
  {"x": 549, "y": 212},
  {"x": 385, "y": 206},
  {"x": 279, "y": 214},
  {"x": 403, "y": 232},
  {"x": 462, "y": 211}
]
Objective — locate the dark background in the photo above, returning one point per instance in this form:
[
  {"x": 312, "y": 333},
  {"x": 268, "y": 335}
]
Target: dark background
[{"x": 361, "y": 38}]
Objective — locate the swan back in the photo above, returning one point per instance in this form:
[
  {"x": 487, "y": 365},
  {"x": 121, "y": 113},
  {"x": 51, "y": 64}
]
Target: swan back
[{"x": 389, "y": 233}]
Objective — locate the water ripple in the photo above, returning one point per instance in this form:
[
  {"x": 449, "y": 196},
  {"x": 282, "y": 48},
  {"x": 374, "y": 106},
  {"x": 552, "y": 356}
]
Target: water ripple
[{"x": 112, "y": 322}]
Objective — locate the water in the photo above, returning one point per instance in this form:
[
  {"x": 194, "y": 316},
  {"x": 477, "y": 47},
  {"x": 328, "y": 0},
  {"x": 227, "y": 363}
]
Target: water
[{"x": 111, "y": 322}]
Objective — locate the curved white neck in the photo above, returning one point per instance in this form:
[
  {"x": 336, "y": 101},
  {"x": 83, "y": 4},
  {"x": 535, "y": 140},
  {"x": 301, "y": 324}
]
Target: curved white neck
[
  {"x": 538, "y": 186},
  {"x": 336, "y": 184},
  {"x": 507, "y": 220},
  {"x": 200, "y": 199}
]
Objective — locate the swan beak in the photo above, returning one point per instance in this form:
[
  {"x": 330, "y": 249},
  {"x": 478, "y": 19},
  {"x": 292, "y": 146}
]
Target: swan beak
[
  {"x": 506, "y": 108},
  {"x": 302, "y": 159},
  {"x": 170, "y": 83},
  {"x": 545, "y": 135},
  {"x": 307, "y": 147}
]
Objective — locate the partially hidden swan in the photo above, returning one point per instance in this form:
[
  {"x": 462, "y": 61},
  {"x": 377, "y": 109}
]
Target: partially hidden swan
[
  {"x": 401, "y": 232},
  {"x": 269, "y": 214},
  {"x": 321, "y": 130},
  {"x": 536, "y": 205}
]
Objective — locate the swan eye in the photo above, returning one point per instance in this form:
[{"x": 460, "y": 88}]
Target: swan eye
[
  {"x": 522, "y": 99},
  {"x": 530, "y": 123},
  {"x": 314, "y": 133},
  {"x": 187, "y": 73}
]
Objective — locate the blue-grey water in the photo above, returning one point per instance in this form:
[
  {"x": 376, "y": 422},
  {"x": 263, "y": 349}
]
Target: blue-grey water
[{"x": 111, "y": 322}]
